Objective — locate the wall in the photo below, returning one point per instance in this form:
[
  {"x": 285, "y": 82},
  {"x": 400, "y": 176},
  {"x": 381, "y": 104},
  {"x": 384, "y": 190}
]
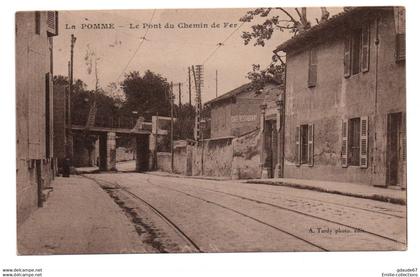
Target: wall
[
  {"x": 336, "y": 98},
  {"x": 59, "y": 107},
  {"x": 246, "y": 156},
  {"x": 220, "y": 119},
  {"x": 164, "y": 161},
  {"x": 124, "y": 154},
  {"x": 32, "y": 65}
]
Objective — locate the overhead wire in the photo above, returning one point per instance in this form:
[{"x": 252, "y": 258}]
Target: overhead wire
[
  {"x": 220, "y": 44},
  {"x": 143, "y": 38}
]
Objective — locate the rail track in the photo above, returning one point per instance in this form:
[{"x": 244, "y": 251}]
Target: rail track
[
  {"x": 170, "y": 223},
  {"x": 195, "y": 245},
  {"x": 278, "y": 207}
]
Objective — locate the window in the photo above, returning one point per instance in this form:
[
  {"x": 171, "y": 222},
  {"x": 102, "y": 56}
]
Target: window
[
  {"x": 400, "y": 47},
  {"x": 37, "y": 23},
  {"x": 354, "y": 143},
  {"x": 312, "y": 68},
  {"x": 356, "y": 51},
  {"x": 304, "y": 144}
]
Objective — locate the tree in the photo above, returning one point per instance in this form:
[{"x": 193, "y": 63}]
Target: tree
[
  {"x": 276, "y": 19},
  {"x": 147, "y": 94},
  {"x": 185, "y": 121}
]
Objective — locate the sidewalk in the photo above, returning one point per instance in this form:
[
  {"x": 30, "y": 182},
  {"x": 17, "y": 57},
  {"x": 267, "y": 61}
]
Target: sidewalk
[
  {"x": 78, "y": 218},
  {"x": 174, "y": 175},
  {"x": 349, "y": 189}
]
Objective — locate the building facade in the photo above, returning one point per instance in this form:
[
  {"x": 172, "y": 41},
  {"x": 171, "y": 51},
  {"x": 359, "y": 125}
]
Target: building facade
[
  {"x": 238, "y": 112},
  {"x": 345, "y": 99},
  {"x": 35, "y": 163}
]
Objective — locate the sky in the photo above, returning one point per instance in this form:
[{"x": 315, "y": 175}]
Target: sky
[{"x": 166, "y": 51}]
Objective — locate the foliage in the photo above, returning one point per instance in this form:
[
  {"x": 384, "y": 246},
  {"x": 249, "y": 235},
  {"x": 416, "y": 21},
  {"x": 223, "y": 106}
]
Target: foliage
[
  {"x": 147, "y": 94},
  {"x": 275, "y": 19},
  {"x": 185, "y": 120}
]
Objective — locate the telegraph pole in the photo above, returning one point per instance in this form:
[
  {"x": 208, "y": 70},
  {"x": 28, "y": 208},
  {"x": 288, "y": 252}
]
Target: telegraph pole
[
  {"x": 179, "y": 94},
  {"x": 189, "y": 85},
  {"x": 172, "y": 126},
  {"x": 67, "y": 163},
  {"x": 216, "y": 82}
]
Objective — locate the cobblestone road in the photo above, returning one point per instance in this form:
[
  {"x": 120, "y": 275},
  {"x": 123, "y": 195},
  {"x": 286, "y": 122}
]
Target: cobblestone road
[{"x": 190, "y": 215}]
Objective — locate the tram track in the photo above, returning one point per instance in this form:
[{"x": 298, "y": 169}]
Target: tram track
[{"x": 282, "y": 208}]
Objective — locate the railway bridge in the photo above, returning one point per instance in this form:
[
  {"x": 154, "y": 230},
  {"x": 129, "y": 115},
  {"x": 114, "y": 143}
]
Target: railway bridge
[{"x": 107, "y": 142}]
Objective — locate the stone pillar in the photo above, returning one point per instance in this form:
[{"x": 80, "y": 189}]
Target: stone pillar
[
  {"x": 111, "y": 151},
  {"x": 278, "y": 172},
  {"x": 263, "y": 155}
]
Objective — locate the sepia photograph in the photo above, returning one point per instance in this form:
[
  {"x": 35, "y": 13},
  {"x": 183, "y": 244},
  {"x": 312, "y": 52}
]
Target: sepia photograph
[{"x": 211, "y": 130}]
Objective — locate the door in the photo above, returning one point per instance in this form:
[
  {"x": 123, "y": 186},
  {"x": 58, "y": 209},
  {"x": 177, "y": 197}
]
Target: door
[
  {"x": 142, "y": 153},
  {"x": 270, "y": 147},
  {"x": 102, "y": 152},
  {"x": 395, "y": 150}
]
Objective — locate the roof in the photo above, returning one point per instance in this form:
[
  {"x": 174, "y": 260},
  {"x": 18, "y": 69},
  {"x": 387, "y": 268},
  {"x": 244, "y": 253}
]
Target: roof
[
  {"x": 321, "y": 28},
  {"x": 232, "y": 93}
]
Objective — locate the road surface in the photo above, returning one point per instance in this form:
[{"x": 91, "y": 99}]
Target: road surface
[{"x": 191, "y": 215}]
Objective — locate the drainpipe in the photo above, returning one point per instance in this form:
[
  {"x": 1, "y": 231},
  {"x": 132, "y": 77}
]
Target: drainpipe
[
  {"x": 375, "y": 119},
  {"x": 264, "y": 171}
]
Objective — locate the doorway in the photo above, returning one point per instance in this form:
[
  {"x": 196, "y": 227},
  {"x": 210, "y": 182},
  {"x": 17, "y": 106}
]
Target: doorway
[
  {"x": 271, "y": 138},
  {"x": 396, "y": 150},
  {"x": 102, "y": 152},
  {"x": 142, "y": 153}
]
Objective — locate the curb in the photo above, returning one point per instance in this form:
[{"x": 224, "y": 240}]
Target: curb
[{"x": 375, "y": 197}]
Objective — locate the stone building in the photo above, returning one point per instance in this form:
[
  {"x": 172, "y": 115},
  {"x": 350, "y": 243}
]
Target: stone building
[
  {"x": 345, "y": 99},
  {"x": 35, "y": 163},
  {"x": 238, "y": 111}
]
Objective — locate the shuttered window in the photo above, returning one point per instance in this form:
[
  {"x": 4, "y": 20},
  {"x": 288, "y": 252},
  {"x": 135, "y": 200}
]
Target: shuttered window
[
  {"x": 354, "y": 142},
  {"x": 347, "y": 56},
  {"x": 52, "y": 22},
  {"x": 403, "y": 137},
  {"x": 37, "y": 23},
  {"x": 357, "y": 51},
  {"x": 310, "y": 144},
  {"x": 344, "y": 144},
  {"x": 365, "y": 47},
  {"x": 400, "y": 47},
  {"x": 312, "y": 68},
  {"x": 305, "y": 144},
  {"x": 297, "y": 139},
  {"x": 364, "y": 131}
]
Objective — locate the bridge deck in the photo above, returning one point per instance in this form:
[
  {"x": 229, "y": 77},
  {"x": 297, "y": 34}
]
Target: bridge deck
[{"x": 96, "y": 129}]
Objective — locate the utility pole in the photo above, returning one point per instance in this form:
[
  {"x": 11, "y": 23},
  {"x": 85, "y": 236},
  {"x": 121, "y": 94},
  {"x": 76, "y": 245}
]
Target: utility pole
[
  {"x": 179, "y": 94},
  {"x": 172, "y": 126},
  {"x": 189, "y": 85},
  {"x": 69, "y": 142},
  {"x": 216, "y": 82}
]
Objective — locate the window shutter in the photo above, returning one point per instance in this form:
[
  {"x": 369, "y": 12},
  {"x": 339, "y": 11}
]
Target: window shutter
[
  {"x": 403, "y": 138},
  {"x": 310, "y": 144},
  {"x": 297, "y": 138},
  {"x": 312, "y": 68},
  {"x": 347, "y": 56},
  {"x": 52, "y": 23},
  {"x": 344, "y": 143},
  {"x": 400, "y": 47},
  {"x": 365, "y": 47},
  {"x": 364, "y": 132}
]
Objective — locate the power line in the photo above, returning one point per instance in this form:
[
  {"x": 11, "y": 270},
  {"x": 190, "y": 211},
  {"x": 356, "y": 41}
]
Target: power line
[
  {"x": 143, "y": 38},
  {"x": 220, "y": 44}
]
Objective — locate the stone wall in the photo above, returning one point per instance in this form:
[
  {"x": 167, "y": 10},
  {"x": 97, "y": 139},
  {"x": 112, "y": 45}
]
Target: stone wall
[
  {"x": 163, "y": 161},
  {"x": 246, "y": 156}
]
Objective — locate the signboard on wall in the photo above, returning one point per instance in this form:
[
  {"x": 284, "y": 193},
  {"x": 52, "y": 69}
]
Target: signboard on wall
[{"x": 243, "y": 118}]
